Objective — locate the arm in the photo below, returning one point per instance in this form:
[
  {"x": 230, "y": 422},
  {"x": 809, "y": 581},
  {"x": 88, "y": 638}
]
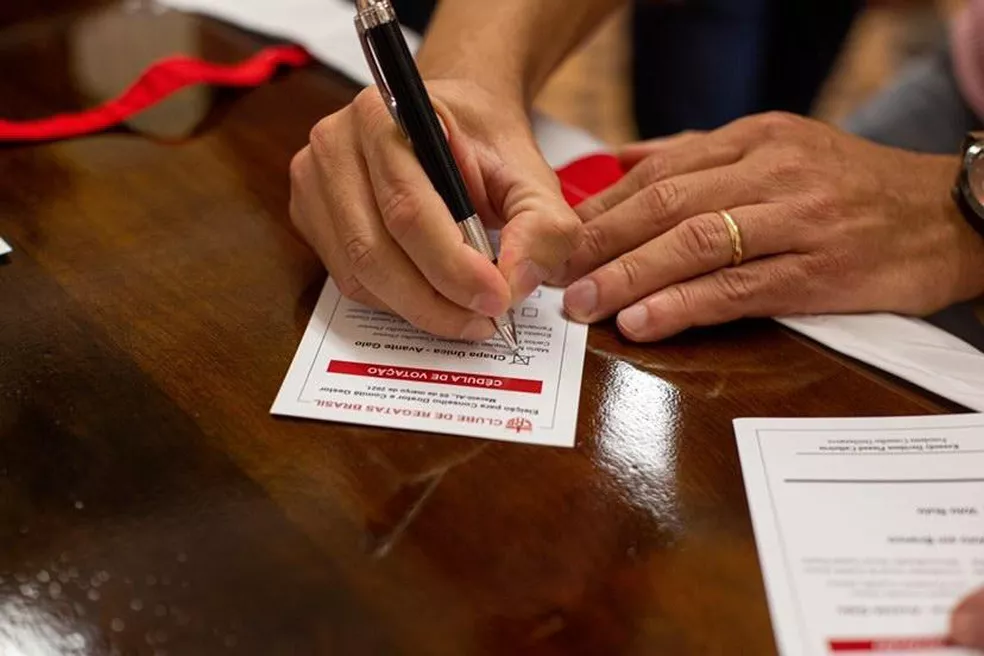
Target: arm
[
  {"x": 510, "y": 46},
  {"x": 363, "y": 202}
]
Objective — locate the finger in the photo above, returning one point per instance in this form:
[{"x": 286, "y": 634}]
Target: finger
[
  {"x": 386, "y": 272},
  {"x": 307, "y": 202},
  {"x": 967, "y": 622},
  {"x": 418, "y": 220},
  {"x": 769, "y": 287},
  {"x": 664, "y": 159},
  {"x": 633, "y": 153},
  {"x": 363, "y": 258},
  {"x": 693, "y": 248},
  {"x": 541, "y": 232},
  {"x": 657, "y": 209}
]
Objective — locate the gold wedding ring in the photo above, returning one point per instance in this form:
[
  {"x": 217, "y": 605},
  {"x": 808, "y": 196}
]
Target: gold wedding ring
[{"x": 737, "y": 249}]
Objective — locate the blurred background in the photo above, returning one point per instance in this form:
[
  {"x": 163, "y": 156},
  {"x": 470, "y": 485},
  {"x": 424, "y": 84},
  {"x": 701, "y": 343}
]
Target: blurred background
[
  {"x": 660, "y": 66},
  {"x": 819, "y": 57},
  {"x": 593, "y": 90}
]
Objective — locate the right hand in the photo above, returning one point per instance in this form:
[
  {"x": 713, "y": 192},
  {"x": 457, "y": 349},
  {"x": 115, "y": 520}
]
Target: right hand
[{"x": 364, "y": 204}]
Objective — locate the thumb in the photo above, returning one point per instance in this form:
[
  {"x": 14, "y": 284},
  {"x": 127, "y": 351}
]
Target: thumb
[
  {"x": 541, "y": 234},
  {"x": 967, "y": 623}
]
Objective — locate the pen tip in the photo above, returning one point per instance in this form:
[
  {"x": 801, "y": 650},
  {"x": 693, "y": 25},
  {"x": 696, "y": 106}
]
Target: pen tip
[{"x": 508, "y": 334}]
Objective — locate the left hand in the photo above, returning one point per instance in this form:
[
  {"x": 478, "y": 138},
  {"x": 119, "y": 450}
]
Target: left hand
[
  {"x": 967, "y": 625},
  {"x": 829, "y": 222}
]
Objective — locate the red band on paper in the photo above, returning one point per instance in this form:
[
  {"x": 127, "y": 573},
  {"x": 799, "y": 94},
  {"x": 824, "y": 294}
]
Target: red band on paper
[
  {"x": 434, "y": 376},
  {"x": 886, "y": 644},
  {"x": 157, "y": 83}
]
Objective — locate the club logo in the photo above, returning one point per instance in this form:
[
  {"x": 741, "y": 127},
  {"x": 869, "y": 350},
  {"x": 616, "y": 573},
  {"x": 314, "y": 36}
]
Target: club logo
[{"x": 519, "y": 425}]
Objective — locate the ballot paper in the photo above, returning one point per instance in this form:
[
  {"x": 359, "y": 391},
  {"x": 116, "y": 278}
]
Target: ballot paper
[
  {"x": 363, "y": 366},
  {"x": 869, "y": 531},
  {"x": 912, "y": 349},
  {"x": 4, "y": 248}
]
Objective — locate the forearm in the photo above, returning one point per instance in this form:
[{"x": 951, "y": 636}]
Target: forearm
[{"x": 509, "y": 46}]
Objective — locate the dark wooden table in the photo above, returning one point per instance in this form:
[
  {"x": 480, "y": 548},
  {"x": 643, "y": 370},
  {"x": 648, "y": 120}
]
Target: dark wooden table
[{"x": 149, "y": 504}]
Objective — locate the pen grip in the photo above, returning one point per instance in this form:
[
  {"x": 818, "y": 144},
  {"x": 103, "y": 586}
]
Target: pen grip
[{"x": 419, "y": 118}]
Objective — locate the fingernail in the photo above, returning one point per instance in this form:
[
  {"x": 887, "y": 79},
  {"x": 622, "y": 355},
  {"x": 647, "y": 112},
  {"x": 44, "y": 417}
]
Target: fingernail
[
  {"x": 581, "y": 299},
  {"x": 478, "y": 330},
  {"x": 490, "y": 305},
  {"x": 967, "y": 629},
  {"x": 633, "y": 320},
  {"x": 526, "y": 278}
]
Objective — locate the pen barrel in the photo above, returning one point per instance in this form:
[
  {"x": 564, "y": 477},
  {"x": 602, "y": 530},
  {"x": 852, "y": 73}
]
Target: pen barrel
[{"x": 419, "y": 118}]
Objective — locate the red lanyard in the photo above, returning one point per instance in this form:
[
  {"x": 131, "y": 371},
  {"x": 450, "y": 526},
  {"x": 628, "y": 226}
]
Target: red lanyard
[
  {"x": 156, "y": 83},
  {"x": 579, "y": 180}
]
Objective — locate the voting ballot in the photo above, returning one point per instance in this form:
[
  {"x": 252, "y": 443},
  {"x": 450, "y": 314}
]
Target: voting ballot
[
  {"x": 363, "y": 366},
  {"x": 869, "y": 531}
]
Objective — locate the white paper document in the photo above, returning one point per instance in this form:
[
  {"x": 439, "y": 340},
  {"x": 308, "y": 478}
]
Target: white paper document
[
  {"x": 362, "y": 366},
  {"x": 869, "y": 531},
  {"x": 4, "y": 248}
]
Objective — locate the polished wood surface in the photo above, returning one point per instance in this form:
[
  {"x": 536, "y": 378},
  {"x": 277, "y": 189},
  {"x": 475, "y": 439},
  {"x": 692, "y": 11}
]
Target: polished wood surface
[{"x": 149, "y": 504}]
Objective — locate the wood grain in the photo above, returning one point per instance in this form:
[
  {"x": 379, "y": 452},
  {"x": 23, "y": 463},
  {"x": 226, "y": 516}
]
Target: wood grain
[{"x": 149, "y": 504}]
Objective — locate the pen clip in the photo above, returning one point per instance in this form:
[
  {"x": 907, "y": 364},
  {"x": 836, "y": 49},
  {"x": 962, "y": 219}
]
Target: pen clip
[{"x": 377, "y": 74}]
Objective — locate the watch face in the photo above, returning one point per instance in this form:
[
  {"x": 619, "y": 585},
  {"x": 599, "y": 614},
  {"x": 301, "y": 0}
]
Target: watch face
[{"x": 975, "y": 173}]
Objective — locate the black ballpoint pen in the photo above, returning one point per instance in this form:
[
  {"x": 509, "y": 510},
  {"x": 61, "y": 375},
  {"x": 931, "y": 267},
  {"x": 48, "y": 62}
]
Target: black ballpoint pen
[{"x": 403, "y": 91}]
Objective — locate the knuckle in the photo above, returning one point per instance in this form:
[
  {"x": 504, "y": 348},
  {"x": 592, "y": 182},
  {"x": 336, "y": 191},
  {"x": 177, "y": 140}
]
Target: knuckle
[
  {"x": 702, "y": 239},
  {"x": 365, "y": 100},
  {"x": 594, "y": 243},
  {"x": 320, "y": 137},
  {"x": 401, "y": 210},
  {"x": 361, "y": 254},
  {"x": 652, "y": 169},
  {"x": 350, "y": 287},
  {"x": 661, "y": 199},
  {"x": 737, "y": 286},
  {"x": 826, "y": 263},
  {"x": 629, "y": 271},
  {"x": 299, "y": 171},
  {"x": 787, "y": 167},
  {"x": 777, "y": 124},
  {"x": 682, "y": 298},
  {"x": 299, "y": 165},
  {"x": 370, "y": 112},
  {"x": 822, "y": 203}
]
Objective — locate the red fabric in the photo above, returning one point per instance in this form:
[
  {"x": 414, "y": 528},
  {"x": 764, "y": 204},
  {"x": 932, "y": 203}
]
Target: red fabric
[
  {"x": 587, "y": 176},
  {"x": 157, "y": 83},
  {"x": 579, "y": 180}
]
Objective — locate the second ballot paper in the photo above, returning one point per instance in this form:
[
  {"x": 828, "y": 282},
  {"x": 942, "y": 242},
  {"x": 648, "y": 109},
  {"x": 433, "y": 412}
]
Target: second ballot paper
[
  {"x": 361, "y": 366},
  {"x": 869, "y": 531}
]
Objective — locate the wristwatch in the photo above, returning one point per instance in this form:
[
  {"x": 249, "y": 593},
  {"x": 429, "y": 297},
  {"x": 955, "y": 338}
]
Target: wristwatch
[{"x": 969, "y": 190}]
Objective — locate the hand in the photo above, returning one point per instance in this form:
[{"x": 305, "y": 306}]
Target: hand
[
  {"x": 967, "y": 625},
  {"x": 361, "y": 199},
  {"x": 829, "y": 223}
]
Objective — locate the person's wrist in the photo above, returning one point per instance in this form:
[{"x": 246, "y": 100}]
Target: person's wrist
[
  {"x": 968, "y": 242},
  {"x": 505, "y": 88},
  {"x": 499, "y": 73}
]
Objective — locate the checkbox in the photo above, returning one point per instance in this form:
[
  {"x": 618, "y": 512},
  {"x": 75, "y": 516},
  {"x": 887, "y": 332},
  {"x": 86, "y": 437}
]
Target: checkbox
[
  {"x": 537, "y": 293},
  {"x": 530, "y": 312}
]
